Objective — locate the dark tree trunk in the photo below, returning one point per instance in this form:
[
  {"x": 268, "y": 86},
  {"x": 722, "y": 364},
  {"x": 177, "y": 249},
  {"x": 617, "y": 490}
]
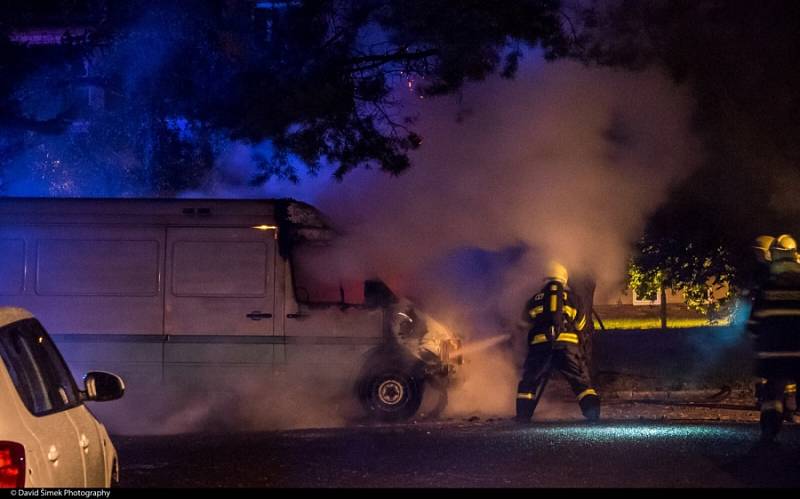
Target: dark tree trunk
[{"x": 663, "y": 308}]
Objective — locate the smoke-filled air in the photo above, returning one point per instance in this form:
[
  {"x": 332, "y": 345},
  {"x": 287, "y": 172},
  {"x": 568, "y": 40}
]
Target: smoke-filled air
[{"x": 564, "y": 162}]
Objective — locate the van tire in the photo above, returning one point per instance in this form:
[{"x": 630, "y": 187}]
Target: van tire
[{"x": 391, "y": 395}]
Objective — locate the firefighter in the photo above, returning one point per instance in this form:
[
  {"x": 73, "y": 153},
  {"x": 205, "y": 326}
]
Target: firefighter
[
  {"x": 775, "y": 325},
  {"x": 556, "y": 322},
  {"x": 763, "y": 247}
]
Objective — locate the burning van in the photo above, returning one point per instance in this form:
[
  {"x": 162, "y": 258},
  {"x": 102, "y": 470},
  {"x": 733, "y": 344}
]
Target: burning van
[{"x": 208, "y": 292}]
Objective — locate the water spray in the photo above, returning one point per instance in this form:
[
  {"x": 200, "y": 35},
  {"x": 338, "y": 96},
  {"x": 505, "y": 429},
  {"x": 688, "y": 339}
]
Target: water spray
[{"x": 479, "y": 346}]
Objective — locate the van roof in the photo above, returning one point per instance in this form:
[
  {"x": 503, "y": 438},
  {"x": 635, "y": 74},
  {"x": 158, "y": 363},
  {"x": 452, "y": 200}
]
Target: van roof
[
  {"x": 167, "y": 211},
  {"x": 121, "y": 206},
  {"x": 9, "y": 315}
]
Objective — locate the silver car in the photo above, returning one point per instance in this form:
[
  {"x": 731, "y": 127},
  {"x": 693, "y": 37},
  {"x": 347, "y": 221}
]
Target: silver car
[{"x": 48, "y": 437}]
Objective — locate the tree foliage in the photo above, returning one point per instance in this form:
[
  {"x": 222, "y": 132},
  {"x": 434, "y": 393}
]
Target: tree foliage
[
  {"x": 706, "y": 281},
  {"x": 315, "y": 78}
]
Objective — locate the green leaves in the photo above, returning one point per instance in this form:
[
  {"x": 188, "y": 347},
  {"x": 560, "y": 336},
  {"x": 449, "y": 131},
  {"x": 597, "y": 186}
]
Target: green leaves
[{"x": 704, "y": 276}]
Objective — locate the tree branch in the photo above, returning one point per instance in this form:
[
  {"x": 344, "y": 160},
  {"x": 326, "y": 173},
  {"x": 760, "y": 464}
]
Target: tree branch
[{"x": 400, "y": 55}]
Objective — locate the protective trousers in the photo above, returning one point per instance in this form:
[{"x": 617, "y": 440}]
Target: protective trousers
[
  {"x": 790, "y": 398},
  {"x": 541, "y": 361},
  {"x": 780, "y": 368},
  {"x": 772, "y": 407}
]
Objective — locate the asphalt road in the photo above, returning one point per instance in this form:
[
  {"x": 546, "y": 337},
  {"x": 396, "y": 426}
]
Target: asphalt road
[{"x": 492, "y": 453}]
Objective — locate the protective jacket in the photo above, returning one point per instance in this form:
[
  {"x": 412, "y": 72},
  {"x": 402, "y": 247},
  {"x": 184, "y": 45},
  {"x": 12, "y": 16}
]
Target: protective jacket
[
  {"x": 555, "y": 316},
  {"x": 775, "y": 322}
]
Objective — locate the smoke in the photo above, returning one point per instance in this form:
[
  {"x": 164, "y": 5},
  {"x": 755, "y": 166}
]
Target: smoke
[
  {"x": 565, "y": 162},
  {"x": 489, "y": 386},
  {"x": 308, "y": 395}
]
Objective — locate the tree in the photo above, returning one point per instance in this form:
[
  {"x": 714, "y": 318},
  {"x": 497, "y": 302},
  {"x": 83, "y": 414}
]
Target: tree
[
  {"x": 737, "y": 58},
  {"x": 315, "y": 78},
  {"x": 666, "y": 263}
]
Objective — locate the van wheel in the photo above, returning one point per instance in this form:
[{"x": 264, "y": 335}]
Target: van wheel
[{"x": 391, "y": 395}]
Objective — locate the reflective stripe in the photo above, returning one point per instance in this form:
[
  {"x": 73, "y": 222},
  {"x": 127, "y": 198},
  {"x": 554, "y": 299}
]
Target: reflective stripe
[
  {"x": 570, "y": 311},
  {"x": 777, "y": 355},
  {"x": 581, "y": 323},
  {"x": 535, "y": 311},
  {"x": 772, "y": 405},
  {"x": 790, "y": 388},
  {"x": 526, "y": 396},
  {"x": 588, "y": 391},
  {"x": 782, "y": 294},
  {"x": 553, "y": 303},
  {"x": 568, "y": 337},
  {"x": 777, "y": 312},
  {"x": 565, "y": 337}
]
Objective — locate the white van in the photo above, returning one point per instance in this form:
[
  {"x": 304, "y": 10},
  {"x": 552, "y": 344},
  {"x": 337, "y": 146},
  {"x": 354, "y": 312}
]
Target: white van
[{"x": 184, "y": 292}]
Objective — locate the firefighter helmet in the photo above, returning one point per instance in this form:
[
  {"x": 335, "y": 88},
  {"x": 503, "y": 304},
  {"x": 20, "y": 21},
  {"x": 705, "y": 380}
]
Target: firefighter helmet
[
  {"x": 786, "y": 242},
  {"x": 556, "y": 272},
  {"x": 784, "y": 248},
  {"x": 762, "y": 246}
]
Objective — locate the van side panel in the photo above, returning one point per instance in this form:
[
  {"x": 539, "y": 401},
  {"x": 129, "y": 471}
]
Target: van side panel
[
  {"x": 98, "y": 288},
  {"x": 220, "y": 281},
  {"x": 86, "y": 279},
  {"x": 12, "y": 264}
]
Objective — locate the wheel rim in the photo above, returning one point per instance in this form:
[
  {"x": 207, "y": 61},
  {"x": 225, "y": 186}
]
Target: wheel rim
[{"x": 391, "y": 392}]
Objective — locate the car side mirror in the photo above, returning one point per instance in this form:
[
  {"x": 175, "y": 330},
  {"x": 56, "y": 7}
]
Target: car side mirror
[{"x": 102, "y": 386}]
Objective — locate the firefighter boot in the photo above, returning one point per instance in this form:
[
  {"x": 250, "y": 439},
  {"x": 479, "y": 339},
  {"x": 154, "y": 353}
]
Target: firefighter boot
[
  {"x": 771, "y": 419},
  {"x": 525, "y": 407},
  {"x": 790, "y": 402},
  {"x": 590, "y": 407}
]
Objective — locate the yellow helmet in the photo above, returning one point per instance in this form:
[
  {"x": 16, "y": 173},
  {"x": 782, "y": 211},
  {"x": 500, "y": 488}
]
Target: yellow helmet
[
  {"x": 786, "y": 242},
  {"x": 554, "y": 271},
  {"x": 762, "y": 246}
]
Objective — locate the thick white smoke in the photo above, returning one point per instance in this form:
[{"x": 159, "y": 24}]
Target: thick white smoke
[
  {"x": 565, "y": 162},
  {"x": 565, "y": 159}
]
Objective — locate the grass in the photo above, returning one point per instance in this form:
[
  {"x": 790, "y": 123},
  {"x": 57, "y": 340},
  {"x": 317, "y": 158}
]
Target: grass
[
  {"x": 647, "y": 317},
  {"x": 655, "y": 322}
]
